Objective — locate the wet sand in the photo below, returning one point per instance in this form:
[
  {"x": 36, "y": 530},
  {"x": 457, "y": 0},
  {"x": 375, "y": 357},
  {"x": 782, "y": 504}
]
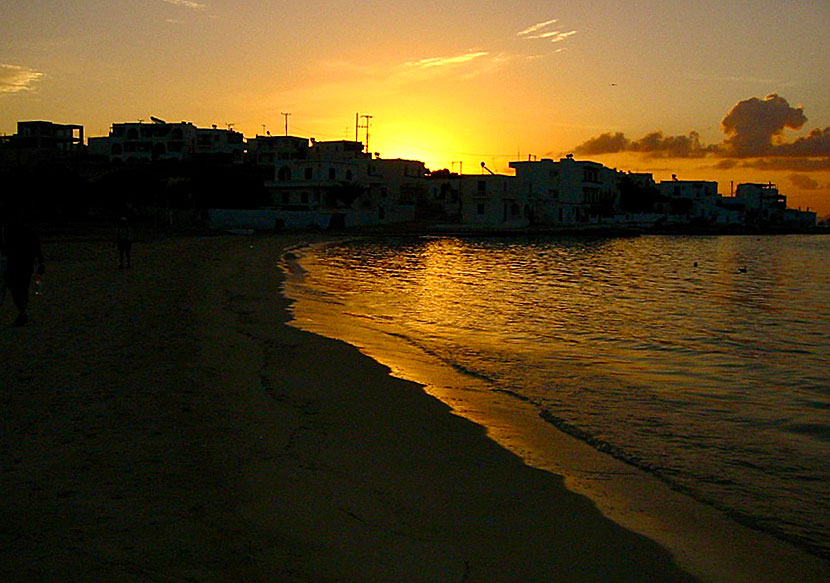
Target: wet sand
[{"x": 163, "y": 424}]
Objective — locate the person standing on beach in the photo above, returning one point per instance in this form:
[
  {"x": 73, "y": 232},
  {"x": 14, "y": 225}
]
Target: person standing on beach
[
  {"x": 124, "y": 242},
  {"x": 20, "y": 247}
]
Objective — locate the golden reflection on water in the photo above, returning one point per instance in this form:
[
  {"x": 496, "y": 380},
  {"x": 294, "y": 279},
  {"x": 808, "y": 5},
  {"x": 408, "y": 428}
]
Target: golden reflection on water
[{"x": 705, "y": 358}]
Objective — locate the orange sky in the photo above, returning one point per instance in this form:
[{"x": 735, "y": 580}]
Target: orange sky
[{"x": 450, "y": 83}]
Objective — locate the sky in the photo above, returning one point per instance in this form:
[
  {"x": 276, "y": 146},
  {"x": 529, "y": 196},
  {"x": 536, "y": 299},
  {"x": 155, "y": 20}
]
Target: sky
[{"x": 704, "y": 90}]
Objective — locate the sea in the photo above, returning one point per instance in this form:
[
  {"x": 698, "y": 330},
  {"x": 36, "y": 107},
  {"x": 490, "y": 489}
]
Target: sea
[{"x": 701, "y": 360}]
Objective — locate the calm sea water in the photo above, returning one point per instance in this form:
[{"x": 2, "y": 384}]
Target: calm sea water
[{"x": 703, "y": 360}]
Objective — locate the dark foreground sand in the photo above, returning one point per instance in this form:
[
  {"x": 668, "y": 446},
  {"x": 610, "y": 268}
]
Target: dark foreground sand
[{"x": 163, "y": 424}]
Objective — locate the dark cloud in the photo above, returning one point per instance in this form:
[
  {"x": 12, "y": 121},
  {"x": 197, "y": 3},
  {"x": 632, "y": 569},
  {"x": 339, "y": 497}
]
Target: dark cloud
[
  {"x": 753, "y": 125},
  {"x": 655, "y": 144},
  {"x": 816, "y": 143},
  {"x": 803, "y": 182},
  {"x": 604, "y": 144},
  {"x": 754, "y": 130},
  {"x": 794, "y": 164}
]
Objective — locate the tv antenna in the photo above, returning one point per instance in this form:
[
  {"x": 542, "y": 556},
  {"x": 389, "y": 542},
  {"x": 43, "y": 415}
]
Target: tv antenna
[
  {"x": 285, "y": 115},
  {"x": 358, "y": 126}
]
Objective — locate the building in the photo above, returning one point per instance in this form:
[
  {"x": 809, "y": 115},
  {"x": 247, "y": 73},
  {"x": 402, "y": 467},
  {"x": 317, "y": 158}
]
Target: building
[
  {"x": 336, "y": 183},
  {"x": 48, "y": 137},
  {"x": 160, "y": 140},
  {"x": 41, "y": 141},
  {"x": 695, "y": 199},
  {"x": 267, "y": 150},
  {"x": 226, "y": 145},
  {"x": 567, "y": 192},
  {"x": 492, "y": 200}
]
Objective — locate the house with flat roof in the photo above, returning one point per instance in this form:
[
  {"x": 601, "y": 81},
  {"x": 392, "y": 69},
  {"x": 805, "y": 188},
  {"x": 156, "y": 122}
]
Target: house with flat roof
[{"x": 567, "y": 191}]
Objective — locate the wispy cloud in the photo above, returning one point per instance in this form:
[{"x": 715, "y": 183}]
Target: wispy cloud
[
  {"x": 560, "y": 36},
  {"x": 535, "y": 27},
  {"x": 444, "y": 61},
  {"x": 539, "y": 32},
  {"x": 14, "y": 78},
  {"x": 185, "y": 3}
]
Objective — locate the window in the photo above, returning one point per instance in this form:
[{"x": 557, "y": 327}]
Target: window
[
  {"x": 308, "y": 173},
  {"x": 304, "y": 198},
  {"x": 480, "y": 208},
  {"x": 286, "y": 198},
  {"x": 482, "y": 186},
  {"x": 332, "y": 173},
  {"x": 348, "y": 174}
]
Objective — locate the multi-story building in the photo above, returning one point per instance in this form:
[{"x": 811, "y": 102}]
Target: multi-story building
[
  {"x": 41, "y": 141},
  {"x": 697, "y": 199},
  {"x": 492, "y": 200},
  {"x": 268, "y": 150},
  {"x": 160, "y": 140},
  {"x": 567, "y": 192},
  {"x": 226, "y": 144},
  {"x": 48, "y": 137},
  {"x": 338, "y": 179}
]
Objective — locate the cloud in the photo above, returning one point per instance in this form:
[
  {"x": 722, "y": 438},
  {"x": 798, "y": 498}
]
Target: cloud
[
  {"x": 816, "y": 143},
  {"x": 604, "y": 144},
  {"x": 185, "y": 3},
  {"x": 535, "y": 27},
  {"x": 793, "y": 164},
  {"x": 654, "y": 144},
  {"x": 554, "y": 36},
  {"x": 754, "y": 130},
  {"x": 754, "y": 126},
  {"x": 803, "y": 182},
  {"x": 444, "y": 61},
  {"x": 14, "y": 78}
]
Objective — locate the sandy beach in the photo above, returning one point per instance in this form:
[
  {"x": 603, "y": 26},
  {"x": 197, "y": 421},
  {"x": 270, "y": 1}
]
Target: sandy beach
[{"x": 163, "y": 423}]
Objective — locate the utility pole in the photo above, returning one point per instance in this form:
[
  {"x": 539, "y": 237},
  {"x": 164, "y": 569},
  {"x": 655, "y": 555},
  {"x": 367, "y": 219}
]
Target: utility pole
[{"x": 285, "y": 115}]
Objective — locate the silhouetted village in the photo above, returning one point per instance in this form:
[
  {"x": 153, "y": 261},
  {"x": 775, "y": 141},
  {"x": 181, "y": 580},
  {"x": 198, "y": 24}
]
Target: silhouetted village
[{"x": 180, "y": 174}]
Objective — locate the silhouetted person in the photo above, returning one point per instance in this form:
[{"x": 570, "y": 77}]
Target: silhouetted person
[
  {"x": 124, "y": 242},
  {"x": 21, "y": 247}
]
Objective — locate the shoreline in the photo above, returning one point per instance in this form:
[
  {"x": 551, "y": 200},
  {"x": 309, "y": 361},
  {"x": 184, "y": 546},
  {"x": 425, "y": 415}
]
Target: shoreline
[
  {"x": 165, "y": 423},
  {"x": 706, "y": 540}
]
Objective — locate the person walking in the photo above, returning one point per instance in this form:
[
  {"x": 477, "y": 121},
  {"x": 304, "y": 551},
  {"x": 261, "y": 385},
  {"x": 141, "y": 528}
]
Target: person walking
[
  {"x": 124, "y": 242},
  {"x": 20, "y": 247}
]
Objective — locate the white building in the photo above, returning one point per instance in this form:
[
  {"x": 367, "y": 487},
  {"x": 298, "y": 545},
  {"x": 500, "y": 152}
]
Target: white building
[
  {"x": 696, "y": 199},
  {"x": 567, "y": 192},
  {"x": 492, "y": 200},
  {"x": 160, "y": 140},
  {"x": 338, "y": 184}
]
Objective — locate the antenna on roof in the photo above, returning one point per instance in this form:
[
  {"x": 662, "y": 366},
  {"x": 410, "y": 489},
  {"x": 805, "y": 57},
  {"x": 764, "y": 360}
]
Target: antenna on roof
[{"x": 157, "y": 120}]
